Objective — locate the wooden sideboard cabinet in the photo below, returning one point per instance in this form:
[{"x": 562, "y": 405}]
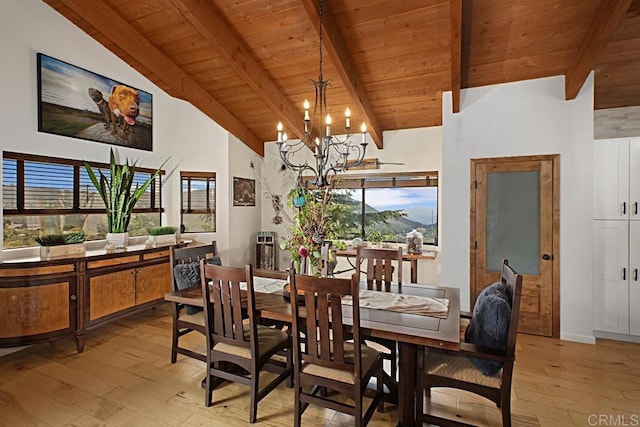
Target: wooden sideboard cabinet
[
  {"x": 37, "y": 302},
  {"x": 44, "y": 300}
]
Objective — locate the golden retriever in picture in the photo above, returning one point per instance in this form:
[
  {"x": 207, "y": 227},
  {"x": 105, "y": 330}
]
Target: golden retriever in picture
[{"x": 123, "y": 103}]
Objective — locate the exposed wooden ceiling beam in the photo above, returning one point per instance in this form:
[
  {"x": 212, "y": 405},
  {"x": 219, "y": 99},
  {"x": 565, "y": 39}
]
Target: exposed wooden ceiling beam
[
  {"x": 337, "y": 50},
  {"x": 208, "y": 22},
  {"x": 603, "y": 25},
  {"x": 104, "y": 19},
  {"x": 455, "y": 39}
]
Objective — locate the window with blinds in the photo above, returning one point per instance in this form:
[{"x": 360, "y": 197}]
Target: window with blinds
[
  {"x": 48, "y": 195},
  {"x": 198, "y": 202}
]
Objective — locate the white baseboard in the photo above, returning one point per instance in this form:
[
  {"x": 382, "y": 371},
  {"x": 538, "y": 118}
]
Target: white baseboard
[
  {"x": 5, "y": 351},
  {"x": 585, "y": 339},
  {"x": 617, "y": 337}
]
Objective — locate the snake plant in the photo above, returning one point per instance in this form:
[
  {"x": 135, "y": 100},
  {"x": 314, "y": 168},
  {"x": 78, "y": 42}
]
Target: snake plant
[{"x": 117, "y": 192}]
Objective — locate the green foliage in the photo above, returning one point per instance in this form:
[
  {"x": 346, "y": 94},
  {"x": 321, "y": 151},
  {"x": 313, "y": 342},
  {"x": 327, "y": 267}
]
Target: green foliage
[
  {"x": 61, "y": 239},
  {"x": 375, "y": 236},
  {"x": 117, "y": 193},
  {"x": 161, "y": 230},
  {"x": 51, "y": 240},
  {"x": 313, "y": 222},
  {"x": 75, "y": 237},
  {"x": 348, "y": 216}
]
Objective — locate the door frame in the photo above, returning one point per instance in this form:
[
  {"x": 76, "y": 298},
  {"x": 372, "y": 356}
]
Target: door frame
[{"x": 555, "y": 267}]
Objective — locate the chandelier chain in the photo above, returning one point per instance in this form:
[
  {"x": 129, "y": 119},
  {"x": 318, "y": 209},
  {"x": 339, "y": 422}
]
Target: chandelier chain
[{"x": 320, "y": 38}]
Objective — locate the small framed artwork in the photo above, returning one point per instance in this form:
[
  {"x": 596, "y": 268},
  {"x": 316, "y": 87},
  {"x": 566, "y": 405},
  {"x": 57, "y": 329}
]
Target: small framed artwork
[
  {"x": 244, "y": 192},
  {"x": 82, "y": 104}
]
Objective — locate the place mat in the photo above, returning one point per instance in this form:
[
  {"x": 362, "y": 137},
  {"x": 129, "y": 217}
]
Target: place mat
[{"x": 411, "y": 304}]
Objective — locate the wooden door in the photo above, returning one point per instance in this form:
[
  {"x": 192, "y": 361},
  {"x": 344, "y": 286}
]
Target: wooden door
[{"x": 515, "y": 215}]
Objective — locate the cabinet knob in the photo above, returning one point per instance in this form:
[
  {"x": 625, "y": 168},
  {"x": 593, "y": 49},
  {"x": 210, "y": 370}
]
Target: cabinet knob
[
  {"x": 546, "y": 257},
  {"x": 73, "y": 297}
]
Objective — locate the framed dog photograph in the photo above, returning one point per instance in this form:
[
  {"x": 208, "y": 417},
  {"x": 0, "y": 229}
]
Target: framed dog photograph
[
  {"x": 82, "y": 104},
  {"x": 244, "y": 192}
]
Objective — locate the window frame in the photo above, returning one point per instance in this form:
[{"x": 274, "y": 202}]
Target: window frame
[
  {"x": 77, "y": 165},
  {"x": 362, "y": 181},
  {"x": 200, "y": 176}
]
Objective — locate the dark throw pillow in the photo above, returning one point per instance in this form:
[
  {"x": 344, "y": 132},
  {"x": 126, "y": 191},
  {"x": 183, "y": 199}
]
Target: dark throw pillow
[
  {"x": 188, "y": 275},
  {"x": 489, "y": 326}
]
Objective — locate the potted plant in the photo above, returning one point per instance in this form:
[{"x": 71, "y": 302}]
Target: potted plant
[
  {"x": 60, "y": 245},
  {"x": 119, "y": 197},
  {"x": 161, "y": 235}
]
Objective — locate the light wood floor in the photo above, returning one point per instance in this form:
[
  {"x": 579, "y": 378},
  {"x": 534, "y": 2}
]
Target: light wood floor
[{"x": 124, "y": 377}]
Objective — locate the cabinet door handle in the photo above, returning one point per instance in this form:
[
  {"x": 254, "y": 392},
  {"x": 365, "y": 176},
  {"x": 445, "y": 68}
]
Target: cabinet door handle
[
  {"x": 624, "y": 273},
  {"x": 624, "y": 208},
  {"x": 635, "y": 208},
  {"x": 635, "y": 274}
]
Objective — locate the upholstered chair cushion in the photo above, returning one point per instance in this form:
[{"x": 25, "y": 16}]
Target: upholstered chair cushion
[
  {"x": 489, "y": 326},
  {"x": 268, "y": 339},
  {"x": 368, "y": 357},
  {"x": 459, "y": 368}
]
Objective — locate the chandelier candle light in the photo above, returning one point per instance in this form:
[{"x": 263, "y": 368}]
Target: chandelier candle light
[{"x": 332, "y": 154}]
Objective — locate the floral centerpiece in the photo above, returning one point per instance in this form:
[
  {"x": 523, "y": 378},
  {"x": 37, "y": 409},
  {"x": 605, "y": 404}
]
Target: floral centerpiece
[{"x": 313, "y": 222}]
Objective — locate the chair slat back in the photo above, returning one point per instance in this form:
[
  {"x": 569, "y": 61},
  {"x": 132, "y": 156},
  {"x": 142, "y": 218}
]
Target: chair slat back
[
  {"x": 223, "y": 304},
  {"x": 191, "y": 254},
  {"x": 380, "y": 267},
  {"x": 324, "y": 314},
  {"x": 513, "y": 281}
]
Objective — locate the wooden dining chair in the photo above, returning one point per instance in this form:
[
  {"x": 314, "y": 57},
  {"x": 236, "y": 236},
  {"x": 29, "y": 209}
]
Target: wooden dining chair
[
  {"x": 486, "y": 371},
  {"x": 378, "y": 266},
  {"x": 232, "y": 342},
  {"x": 188, "y": 319},
  {"x": 326, "y": 360}
]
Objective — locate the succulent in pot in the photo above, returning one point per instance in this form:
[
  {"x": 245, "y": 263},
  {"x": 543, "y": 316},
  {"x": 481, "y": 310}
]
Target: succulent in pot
[
  {"x": 119, "y": 196},
  {"x": 59, "y": 245},
  {"x": 161, "y": 235}
]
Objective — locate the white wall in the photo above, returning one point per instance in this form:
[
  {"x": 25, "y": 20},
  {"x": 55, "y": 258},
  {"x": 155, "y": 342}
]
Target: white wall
[
  {"x": 192, "y": 140},
  {"x": 415, "y": 149},
  {"x": 198, "y": 144},
  {"x": 243, "y": 220},
  {"x": 524, "y": 118}
]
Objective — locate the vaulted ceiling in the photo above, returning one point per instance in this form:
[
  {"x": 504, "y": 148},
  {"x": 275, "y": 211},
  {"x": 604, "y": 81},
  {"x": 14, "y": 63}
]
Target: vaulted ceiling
[{"x": 248, "y": 64}]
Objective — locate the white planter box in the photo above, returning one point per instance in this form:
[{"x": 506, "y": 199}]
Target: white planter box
[
  {"x": 49, "y": 252},
  {"x": 163, "y": 239}
]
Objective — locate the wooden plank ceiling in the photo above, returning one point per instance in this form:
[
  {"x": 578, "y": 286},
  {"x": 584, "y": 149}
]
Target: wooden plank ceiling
[{"x": 248, "y": 64}]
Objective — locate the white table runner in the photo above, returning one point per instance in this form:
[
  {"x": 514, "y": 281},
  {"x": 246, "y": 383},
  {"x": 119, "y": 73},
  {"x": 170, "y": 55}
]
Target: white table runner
[{"x": 425, "y": 306}]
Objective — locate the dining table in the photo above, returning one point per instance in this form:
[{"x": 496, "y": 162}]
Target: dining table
[{"x": 413, "y": 332}]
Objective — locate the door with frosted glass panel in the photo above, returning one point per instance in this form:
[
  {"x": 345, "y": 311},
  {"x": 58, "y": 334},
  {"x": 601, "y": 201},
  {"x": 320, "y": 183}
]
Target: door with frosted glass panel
[{"x": 514, "y": 215}]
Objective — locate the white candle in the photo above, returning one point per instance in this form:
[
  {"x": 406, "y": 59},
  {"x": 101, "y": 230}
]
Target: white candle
[
  {"x": 328, "y": 122},
  {"x": 306, "y": 110},
  {"x": 279, "y": 131},
  {"x": 347, "y": 114},
  {"x": 363, "y": 128}
]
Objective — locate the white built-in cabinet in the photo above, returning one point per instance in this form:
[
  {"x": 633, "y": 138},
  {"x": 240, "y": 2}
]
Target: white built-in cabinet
[{"x": 616, "y": 232}]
